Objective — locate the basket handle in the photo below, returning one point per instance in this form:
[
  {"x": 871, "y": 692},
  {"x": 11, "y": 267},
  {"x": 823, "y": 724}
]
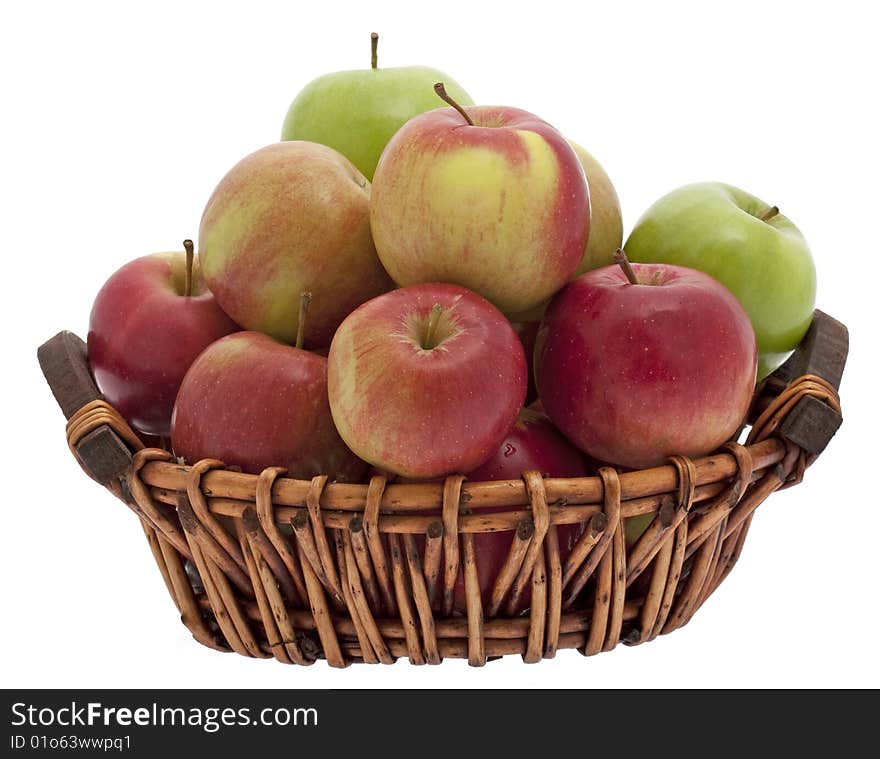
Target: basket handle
[
  {"x": 811, "y": 423},
  {"x": 65, "y": 366}
]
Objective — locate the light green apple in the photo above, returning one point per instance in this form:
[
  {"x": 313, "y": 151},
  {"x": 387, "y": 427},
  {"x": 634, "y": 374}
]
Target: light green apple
[
  {"x": 357, "y": 112},
  {"x": 606, "y": 225},
  {"x": 748, "y": 246}
]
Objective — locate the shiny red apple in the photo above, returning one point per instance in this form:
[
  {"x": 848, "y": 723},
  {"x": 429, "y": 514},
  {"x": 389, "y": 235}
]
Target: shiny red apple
[
  {"x": 254, "y": 402},
  {"x": 533, "y": 443},
  {"x": 426, "y": 381},
  {"x": 144, "y": 332},
  {"x": 633, "y": 373}
]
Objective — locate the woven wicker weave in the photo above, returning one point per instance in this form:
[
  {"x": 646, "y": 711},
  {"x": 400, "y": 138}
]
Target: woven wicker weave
[{"x": 300, "y": 570}]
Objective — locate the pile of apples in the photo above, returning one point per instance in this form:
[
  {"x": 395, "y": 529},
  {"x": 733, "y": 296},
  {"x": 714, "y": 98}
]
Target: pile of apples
[{"x": 385, "y": 289}]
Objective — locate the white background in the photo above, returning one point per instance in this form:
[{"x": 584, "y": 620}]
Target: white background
[{"x": 119, "y": 119}]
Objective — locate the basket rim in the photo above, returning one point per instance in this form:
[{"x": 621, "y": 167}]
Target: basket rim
[{"x": 159, "y": 471}]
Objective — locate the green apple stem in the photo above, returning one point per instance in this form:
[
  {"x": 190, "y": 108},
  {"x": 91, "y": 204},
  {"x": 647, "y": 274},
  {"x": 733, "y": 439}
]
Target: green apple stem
[
  {"x": 374, "y": 47},
  {"x": 623, "y": 262},
  {"x": 188, "y": 274},
  {"x": 305, "y": 300},
  {"x": 440, "y": 89},
  {"x": 768, "y": 213},
  {"x": 433, "y": 320}
]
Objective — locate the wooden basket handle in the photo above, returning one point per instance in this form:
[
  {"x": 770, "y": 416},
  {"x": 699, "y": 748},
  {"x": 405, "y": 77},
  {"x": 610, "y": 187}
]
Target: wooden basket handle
[
  {"x": 811, "y": 423},
  {"x": 65, "y": 366}
]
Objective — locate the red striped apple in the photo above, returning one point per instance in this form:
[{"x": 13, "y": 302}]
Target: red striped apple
[
  {"x": 633, "y": 373},
  {"x": 145, "y": 330},
  {"x": 289, "y": 218},
  {"x": 425, "y": 381},
  {"x": 254, "y": 402},
  {"x": 491, "y": 198}
]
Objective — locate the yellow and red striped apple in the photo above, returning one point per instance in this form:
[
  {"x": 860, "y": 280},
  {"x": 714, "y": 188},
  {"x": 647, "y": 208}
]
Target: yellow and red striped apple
[
  {"x": 289, "y": 218},
  {"x": 499, "y": 205},
  {"x": 425, "y": 381}
]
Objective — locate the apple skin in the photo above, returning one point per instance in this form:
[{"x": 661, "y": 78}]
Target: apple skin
[
  {"x": 767, "y": 265},
  {"x": 144, "y": 333},
  {"x": 533, "y": 443},
  {"x": 501, "y": 207},
  {"x": 254, "y": 402},
  {"x": 357, "y": 112},
  {"x": 606, "y": 223},
  {"x": 632, "y": 374},
  {"x": 425, "y": 413},
  {"x": 291, "y": 217}
]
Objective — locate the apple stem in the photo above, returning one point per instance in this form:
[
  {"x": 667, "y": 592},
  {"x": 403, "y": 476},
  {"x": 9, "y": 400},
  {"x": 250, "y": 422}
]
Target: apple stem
[
  {"x": 305, "y": 300},
  {"x": 433, "y": 319},
  {"x": 623, "y": 262},
  {"x": 374, "y": 47},
  {"x": 440, "y": 89},
  {"x": 188, "y": 274},
  {"x": 768, "y": 213}
]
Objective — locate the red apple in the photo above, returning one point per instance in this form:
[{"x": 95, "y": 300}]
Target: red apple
[
  {"x": 426, "y": 381},
  {"x": 533, "y": 443},
  {"x": 253, "y": 402},
  {"x": 633, "y": 373},
  {"x": 488, "y": 197},
  {"x": 145, "y": 331}
]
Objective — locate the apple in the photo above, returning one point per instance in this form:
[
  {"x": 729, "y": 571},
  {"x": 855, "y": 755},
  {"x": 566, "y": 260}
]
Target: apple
[
  {"x": 491, "y": 198},
  {"x": 291, "y": 217},
  {"x": 634, "y": 527},
  {"x": 425, "y": 381},
  {"x": 533, "y": 443},
  {"x": 357, "y": 112},
  {"x": 748, "y": 246},
  {"x": 606, "y": 224},
  {"x": 148, "y": 323},
  {"x": 254, "y": 402},
  {"x": 634, "y": 368}
]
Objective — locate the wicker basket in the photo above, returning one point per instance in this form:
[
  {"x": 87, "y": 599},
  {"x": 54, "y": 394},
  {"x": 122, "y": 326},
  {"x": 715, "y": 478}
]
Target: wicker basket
[{"x": 273, "y": 567}]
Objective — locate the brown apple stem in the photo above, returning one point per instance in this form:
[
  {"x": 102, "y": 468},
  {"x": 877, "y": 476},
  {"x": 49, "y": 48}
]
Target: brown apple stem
[
  {"x": 768, "y": 213},
  {"x": 433, "y": 320},
  {"x": 188, "y": 274},
  {"x": 305, "y": 300},
  {"x": 623, "y": 262},
  {"x": 440, "y": 89},
  {"x": 374, "y": 47}
]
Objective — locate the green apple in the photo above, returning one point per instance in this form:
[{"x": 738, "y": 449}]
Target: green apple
[
  {"x": 634, "y": 527},
  {"x": 748, "y": 246},
  {"x": 606, "y": 225},
  {"x": 357, "y": 112}
]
